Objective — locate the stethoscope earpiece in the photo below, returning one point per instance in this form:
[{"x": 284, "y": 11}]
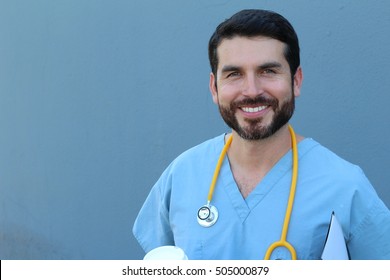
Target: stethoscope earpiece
[{"x": 207, "y": 215}]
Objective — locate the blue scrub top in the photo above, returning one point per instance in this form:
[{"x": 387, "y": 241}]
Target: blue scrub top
[{"x": 247, "y": 227}]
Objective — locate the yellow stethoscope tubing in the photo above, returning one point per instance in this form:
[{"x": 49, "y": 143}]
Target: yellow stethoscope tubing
[
  {"x": 283, "y": 239},
  {"x": 218, "y": 168}
]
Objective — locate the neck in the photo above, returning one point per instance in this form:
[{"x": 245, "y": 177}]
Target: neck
[
  {"x": 260, "y": 153},
  {"x": 250, "y": 161}
]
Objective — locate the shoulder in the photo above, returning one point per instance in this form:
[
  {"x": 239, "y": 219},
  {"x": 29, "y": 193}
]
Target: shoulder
[
  {"x": 196, "y": 159},
  {"x": 204, "y": 151},
  {"x": 320, "y": 159},
  {"x": 323, "y": 170},
  {"x": 191, "y": 168}
]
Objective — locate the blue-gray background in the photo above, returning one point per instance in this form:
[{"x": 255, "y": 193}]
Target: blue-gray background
[{"x": 97, "y": 97}]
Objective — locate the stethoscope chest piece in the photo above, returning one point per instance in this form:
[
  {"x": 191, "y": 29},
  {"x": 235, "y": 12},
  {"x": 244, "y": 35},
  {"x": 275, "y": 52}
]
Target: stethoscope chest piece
[{"x": 207, "y": 215}]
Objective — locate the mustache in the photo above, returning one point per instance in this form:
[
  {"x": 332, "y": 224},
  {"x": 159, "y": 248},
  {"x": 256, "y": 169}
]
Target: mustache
[{"x": 258, "y": 100}]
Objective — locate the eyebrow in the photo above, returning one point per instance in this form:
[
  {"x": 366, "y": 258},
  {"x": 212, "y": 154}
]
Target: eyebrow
[
  {"x": 230, "y": 68},
  {"x": 267, "y": 65}
]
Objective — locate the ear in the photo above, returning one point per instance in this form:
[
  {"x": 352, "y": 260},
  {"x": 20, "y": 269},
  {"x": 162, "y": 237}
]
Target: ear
[
  {"x": 298, "y": 79},
  {"x": 213, "y": 88}
]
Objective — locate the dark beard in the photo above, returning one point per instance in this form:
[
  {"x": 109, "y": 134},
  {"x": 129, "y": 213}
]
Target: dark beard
[{"x": 253, "y": 130}]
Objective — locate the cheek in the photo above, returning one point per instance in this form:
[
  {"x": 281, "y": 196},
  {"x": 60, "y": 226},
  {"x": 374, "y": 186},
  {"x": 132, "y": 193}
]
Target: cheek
[
  {"x": 229, "y": 91},
  {"x": 280, "y": 90}
]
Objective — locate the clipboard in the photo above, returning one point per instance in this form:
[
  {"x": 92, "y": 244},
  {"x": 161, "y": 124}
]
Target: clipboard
[{"x": 335, "y": 247}]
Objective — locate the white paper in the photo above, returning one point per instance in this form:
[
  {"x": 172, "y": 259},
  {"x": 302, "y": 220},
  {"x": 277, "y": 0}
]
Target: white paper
[{"x": 335, "y": 247}]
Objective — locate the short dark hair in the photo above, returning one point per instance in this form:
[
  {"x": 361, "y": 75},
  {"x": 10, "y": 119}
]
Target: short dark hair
[{"x": 253, "y": 23}]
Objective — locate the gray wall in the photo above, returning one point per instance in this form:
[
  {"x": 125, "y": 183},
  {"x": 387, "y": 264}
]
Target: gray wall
[{"x": 97, "y": 97}]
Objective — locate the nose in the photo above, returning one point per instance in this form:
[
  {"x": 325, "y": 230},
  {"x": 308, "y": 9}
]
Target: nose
[{"x": 252, "y": 86}]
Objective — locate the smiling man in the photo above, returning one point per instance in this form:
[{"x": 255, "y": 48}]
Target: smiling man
[
  {"x": 234, "y": 196},
  {"x": 255, "y": 83}
]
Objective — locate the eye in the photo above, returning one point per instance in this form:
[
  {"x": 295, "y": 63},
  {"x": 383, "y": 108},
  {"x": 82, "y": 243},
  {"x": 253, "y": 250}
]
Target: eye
[
  {"x": 268, "y": 71},
  {"x": 233, "y": 74}
]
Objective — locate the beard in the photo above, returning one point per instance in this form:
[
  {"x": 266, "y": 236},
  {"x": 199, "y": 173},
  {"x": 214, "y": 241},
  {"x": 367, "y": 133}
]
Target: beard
[{"x": 253, "y": 129}]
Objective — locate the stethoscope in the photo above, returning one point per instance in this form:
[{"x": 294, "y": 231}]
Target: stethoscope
[{"x": 208, "y": 214}]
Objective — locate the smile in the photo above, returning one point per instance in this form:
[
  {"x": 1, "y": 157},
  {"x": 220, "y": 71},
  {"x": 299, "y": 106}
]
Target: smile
[{"x": 253, "y": 109}]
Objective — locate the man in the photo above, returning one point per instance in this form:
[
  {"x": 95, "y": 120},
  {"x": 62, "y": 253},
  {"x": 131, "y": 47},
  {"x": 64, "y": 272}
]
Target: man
[{"x": 256, "y": 76}]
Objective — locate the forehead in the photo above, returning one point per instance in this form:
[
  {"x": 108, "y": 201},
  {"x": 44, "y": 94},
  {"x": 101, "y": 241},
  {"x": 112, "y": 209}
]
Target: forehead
[{"x": 239, "y": 50}]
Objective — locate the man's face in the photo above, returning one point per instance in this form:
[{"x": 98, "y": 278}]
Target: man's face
[{"x": 253, "y": 88}]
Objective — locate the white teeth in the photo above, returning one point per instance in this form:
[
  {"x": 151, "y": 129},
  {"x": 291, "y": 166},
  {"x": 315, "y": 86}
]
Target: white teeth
[{"x": 253, "y": 110}]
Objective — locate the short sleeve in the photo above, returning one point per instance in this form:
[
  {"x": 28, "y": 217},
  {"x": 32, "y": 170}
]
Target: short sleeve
[
  {"x": 151, "y": 227},
  {"x": 371, "y": 239}
]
